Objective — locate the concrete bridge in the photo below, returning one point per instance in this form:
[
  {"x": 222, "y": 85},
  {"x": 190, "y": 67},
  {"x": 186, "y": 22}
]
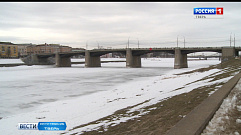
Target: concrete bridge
[{"x": 133, "y": 55}]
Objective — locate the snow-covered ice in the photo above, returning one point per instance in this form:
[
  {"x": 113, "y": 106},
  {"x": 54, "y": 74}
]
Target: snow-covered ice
[
  {"x": 79, "y": 95},
  {"x": 10, "y": 61}
]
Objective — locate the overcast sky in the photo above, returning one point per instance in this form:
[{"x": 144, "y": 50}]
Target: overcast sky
[{"x": 110, "y": 24}]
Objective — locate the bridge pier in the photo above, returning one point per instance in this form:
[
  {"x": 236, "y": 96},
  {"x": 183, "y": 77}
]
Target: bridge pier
[
  {"x": 180, "y": 59},
  {"x": 228, "y": 53},
  {"x": 132, "y": 61},
  {"x": 236, "y": 53},
  {"x": 91, "y": 61},
  {"x": 36, "y": 60},
  {"x": 64, "y": 61}
]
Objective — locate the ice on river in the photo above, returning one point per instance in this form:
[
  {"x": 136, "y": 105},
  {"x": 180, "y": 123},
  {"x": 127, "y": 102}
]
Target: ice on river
[{"x": 10, "y": 61}]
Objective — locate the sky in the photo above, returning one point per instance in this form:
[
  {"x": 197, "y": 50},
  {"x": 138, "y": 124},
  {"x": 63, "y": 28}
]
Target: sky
[{"x": 112, "y": 24}]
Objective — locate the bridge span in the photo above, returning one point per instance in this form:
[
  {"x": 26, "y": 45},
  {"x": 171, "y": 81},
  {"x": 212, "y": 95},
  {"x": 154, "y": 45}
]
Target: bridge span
[{"x": 133, "y": 55}]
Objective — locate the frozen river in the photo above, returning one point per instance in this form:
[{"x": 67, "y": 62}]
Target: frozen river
[{"x": 24, "y": 89}]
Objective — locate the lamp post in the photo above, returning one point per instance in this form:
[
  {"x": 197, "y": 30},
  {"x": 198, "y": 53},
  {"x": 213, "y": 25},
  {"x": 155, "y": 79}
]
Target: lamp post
[
  {"x": 138, "y": 42},
  {"x": 128, "y": 42},
  {"x": 230, "y": 38},
  {"x": 98, "y": 45},
  {"x": 177, "y": 40},
  {"x": 234, "y": 40},
  {"x": 86, "y": 44},
  {"x": 184, "y": 40}
]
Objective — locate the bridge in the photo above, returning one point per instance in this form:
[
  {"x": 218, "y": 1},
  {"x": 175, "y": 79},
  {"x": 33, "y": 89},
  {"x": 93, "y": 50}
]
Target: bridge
[{"x": 133, "y": 55}]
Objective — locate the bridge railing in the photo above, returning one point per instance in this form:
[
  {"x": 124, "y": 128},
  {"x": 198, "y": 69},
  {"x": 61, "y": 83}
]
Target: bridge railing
[
  {"x": 161, "y": 48},
  {"x": 153, "y": 48}
]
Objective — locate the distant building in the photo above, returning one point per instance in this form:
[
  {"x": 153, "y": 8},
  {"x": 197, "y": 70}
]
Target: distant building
[
  {"x": 47, "y": 48},
  {"x": 108, "y": 55},
  {"x": 118, "y": 55},
  {"x": 8, "y": 50},
  {"x": 22, "y": 49},
  {"x": 162, "y": 55},
  {"x": 78, "y": 50}
]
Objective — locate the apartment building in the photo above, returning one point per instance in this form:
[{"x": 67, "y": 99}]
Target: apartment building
[
  {"x": 22, "y": 49},
  {"x": 47, "y": 48},
  {"x": 8, "y": 50}
]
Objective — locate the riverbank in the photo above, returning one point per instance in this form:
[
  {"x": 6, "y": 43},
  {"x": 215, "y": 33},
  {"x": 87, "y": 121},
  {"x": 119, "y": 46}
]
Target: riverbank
[{"x": 161, "y": 117}]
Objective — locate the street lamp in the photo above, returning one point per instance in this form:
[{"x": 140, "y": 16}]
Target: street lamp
[
  {"x": 86, "y": 44},
  {"x": 184, "y": 40},
  {"x": 98, "y": 45},
  {"x": 138, "y": 42},
  {"x": 177, "y": 40},
  {"x": 128, "y": 42},
  {"x": 234, "y": 40},
  {"x": 230, "y": 38}
]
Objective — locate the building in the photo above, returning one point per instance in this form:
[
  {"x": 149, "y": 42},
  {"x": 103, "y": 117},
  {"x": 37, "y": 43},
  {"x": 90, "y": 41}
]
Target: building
[
  {"x": 22, "y": 49},
  {"x": 78, "y": 49},
  {"x": 8, "y": 50},
  {"x": 47, "y": 48},
  {"x": 162, "y": 55},
  {"x": 108, "y": 55}
]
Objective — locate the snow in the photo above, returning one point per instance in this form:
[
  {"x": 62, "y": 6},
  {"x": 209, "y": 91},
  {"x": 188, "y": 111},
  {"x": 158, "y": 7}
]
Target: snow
[
  {"x": 236, "y": 133},
  {"x": 238, "y": 121},
  {"x": 102, "y": 59},
  {"x": 220, "y": 120},
  {"x": 10, "y": 61},
  {"x": 239, "y": 108},
  {"x": 79, "y": 95}
]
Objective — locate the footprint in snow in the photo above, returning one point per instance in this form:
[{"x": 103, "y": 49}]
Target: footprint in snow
[{"x": 40, "y": 117}]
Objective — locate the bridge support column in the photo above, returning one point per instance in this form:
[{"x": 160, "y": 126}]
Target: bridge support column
[
  {"x": 91, "y": 61},
  {"x": 35, "y": 60},
  {"x": 236, "y": 53},
  {"x": 228, "y": 53},
  {"x": 132, "y": 61},
  {"x": 62, "y": 61},
  {"x": 180, "y": 59}
]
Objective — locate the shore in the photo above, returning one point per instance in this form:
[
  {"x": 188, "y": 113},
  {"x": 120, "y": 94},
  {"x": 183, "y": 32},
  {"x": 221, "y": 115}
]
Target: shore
[{"x": 161, "y": 117}]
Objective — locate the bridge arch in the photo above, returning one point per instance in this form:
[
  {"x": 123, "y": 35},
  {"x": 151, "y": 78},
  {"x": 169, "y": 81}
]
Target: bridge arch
[{"x": 92, "y": 57}]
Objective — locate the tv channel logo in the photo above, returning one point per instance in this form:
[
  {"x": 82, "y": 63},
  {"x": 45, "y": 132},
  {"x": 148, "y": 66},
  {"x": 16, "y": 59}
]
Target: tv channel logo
[
  {"x": 28, "y": 126},
  {"x": 52, "y": 126},
  {"x": 49, "y": 126},
  {"x": 208, "y": 12}
]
